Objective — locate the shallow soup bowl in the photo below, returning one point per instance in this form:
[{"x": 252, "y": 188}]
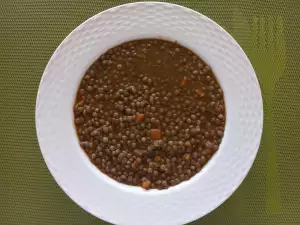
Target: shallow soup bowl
[{"x": 118, "y": 203}]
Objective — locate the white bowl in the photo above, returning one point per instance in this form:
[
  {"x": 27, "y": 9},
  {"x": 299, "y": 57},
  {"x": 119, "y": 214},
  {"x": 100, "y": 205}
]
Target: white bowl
[{"x": 118, "y": 203}]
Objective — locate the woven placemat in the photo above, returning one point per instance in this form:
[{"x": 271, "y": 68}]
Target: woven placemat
[{"x": 267, "y": 30}]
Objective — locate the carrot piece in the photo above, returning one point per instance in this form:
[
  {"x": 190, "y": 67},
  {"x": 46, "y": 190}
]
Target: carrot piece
[
  {"x": 133, "y": 165},
  {"x": 146, "y": 184},
  {"x": 139, "y": 117},
  {"x": 157, "y": 158},
  {"x": 200, "y": 92},
  {"x": 184, "y": 82},
  {"x": 80, "y": 102},
  {"x": 155, "y": 134}
]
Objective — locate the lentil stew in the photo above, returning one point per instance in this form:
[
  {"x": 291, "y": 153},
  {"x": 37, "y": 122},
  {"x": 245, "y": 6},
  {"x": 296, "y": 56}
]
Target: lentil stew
[{"x": 149, "y": 113}]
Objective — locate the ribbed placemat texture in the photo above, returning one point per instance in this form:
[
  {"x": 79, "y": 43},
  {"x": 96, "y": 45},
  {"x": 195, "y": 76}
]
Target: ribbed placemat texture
[{"x": 268, "y": 31}]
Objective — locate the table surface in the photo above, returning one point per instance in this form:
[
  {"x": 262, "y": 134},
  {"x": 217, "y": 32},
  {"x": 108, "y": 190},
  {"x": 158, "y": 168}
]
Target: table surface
[{"x": 31, "y": 30}]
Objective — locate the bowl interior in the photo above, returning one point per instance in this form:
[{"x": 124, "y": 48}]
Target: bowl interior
[{"x": 123, "y": 204}]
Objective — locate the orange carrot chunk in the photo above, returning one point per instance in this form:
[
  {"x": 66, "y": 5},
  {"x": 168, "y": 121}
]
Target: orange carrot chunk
[
  {"x": 80, "y": 102},
  {"x": 157, "y": 158},
  {"x": 133, "y": 165},
  {"x": 146, "y": 184},
  {"x": 155, "y": 134},
  {"x": 200, "y": 92},
  {"x": 183, "y": 82},
  {"x": 140, "y": 117}
]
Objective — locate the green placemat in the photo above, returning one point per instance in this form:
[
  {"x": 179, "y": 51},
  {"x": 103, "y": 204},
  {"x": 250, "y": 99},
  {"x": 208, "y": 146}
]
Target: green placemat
[{"x": 267, "y": 30}]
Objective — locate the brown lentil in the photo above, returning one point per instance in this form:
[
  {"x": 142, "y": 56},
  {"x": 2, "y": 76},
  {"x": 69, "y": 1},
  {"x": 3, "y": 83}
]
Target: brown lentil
[{"x": 150, "y": 113}]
